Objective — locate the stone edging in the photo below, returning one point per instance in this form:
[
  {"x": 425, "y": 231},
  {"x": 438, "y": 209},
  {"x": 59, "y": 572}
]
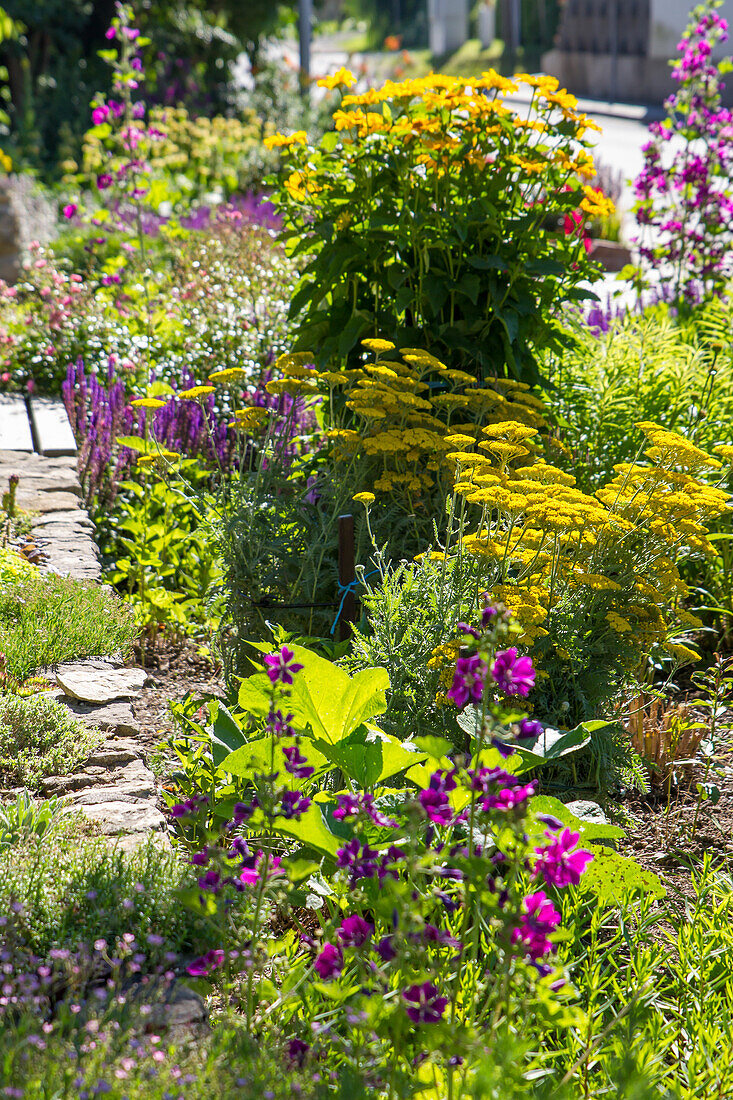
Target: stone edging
[{"x": 114, "y": 787}]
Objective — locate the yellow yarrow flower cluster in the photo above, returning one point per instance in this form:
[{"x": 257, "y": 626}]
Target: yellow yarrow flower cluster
[
  {"x": 408, "y": 412},
  {"x": 549, "y": 551}
]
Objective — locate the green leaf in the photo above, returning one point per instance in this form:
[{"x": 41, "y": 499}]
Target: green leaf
[
  {"x": 331, "y": 702},
  {"x": 226, "y": 734},
  {"x": 589, "y": 830},
  {"x": 368, "y": 757},
  {"x": 613, "y": 878},
  {"x": 310, "y": 829},
  {"x": 134, "y": 443},
  {"x": 255, "y": 693},
  {"x": 553, "y": 744}
]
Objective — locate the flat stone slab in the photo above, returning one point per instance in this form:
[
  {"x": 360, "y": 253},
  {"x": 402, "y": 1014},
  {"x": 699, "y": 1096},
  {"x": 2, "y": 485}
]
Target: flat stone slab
[
  {"x": 51, "y": 428},
  {"x": 117, "y": 816},
  {"x": 23, "y": 462},
  {"x": 99, "y": 681},
  {"x": 116, "y": 717},
  {"x": 15, "y": 429},
  {"x": 53, "y": 481},
  {"x": 77, "y": 518},
  {"x": 44, "y": 502}
]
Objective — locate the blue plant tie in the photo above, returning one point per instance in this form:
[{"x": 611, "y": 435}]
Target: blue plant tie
[{"x": 344, "y": 590}]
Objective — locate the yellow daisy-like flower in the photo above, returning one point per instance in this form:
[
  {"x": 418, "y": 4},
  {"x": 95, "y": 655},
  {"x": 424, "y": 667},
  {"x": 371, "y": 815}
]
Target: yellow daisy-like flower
[
  {"x": 148, "y": 403},
  {"x": 364, "y": 498},
  {"x": 195, "y": 392},
  {"x": 279, "y": 141},
  {"x": 725, "y": 452},
  {"x": 342, "y": 78}
]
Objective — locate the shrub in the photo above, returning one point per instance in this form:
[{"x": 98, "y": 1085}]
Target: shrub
[
  {"x": 46, "y": 619},
  {"x": 430, "y": 215},
  {"x": 40, "y": 737}
]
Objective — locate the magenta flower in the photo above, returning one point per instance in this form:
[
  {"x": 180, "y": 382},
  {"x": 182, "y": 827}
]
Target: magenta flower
[
  {"x": 513, "y": 674},
  {"x": 436, "y": 806},
  {"x": 509, "y": 798},
  {"x": 205, "y": 964},
  {"x": 110, "y": 33},
  {"x": 104, "y": 181},
  {"x": 348, "y": 806},
  {"x": 281, "y": 666},
  {"x": 296, "y": 763},
  {"x": 354, "y": 931},
  {"x": 561, "y": 863},
  {"x": 250, "y": 874},
  {"x": 297, "y": 1049},
  {"x": 70, "y": 209},
  {"x": 468, "y": 681},
  {"x": 530, "y": 729},
  {"x": 330, "y": 962},
  {"x": 99, "y": 115},
  {"x": 538, "y": 920},
  {"x": 423, "y": 1005}
]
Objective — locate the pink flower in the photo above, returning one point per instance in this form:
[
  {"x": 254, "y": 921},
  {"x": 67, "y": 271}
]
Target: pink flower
[
  {"x": 538, "y": 920},
  {"x": 70, "y": 209},
  {"x": 330, "y": 962},
  {"x": 281, "y": 666},
  {"x": 561, "y": 863},
  {"x": 512, "y": 673},
  {"x": 99, "y": 115},
  {"x": 205, "y": 964},
  {"x": 110, "y": 33},
  {"x": 104, "y": 181},
  {"x": 251, "y": 874}
]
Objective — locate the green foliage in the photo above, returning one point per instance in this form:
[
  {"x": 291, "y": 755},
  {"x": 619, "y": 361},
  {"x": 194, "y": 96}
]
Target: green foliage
[
  {"x": 25, "y": 818},
  {"x": 648, "y": 367},
  {"x": 40, "y": 737},
  {"x": 74, "y": 887},
  {"x": 46, "y": 619},
  {"x": 161, "y": 555}
]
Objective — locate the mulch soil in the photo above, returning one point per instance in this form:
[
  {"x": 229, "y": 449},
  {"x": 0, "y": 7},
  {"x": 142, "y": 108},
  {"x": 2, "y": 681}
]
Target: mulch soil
[{"x": 175, "y": 669}]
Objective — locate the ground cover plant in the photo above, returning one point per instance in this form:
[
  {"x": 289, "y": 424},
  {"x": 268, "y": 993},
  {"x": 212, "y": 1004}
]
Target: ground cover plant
[
  {"x": 46, "y": 619},
  {"x": 40, "y": 737}
]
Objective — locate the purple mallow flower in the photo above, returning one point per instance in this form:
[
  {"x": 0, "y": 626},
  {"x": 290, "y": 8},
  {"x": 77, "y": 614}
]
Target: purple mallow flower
[
  {"x": 329, "y": 963},
  {"x": 423, "y": 1004},
  {"x": 561, "y": 863},
  {"x": 296, "y": 763},
  {"x": 205, "y": 964},
  {"x": 512, "y": 673},
  {"x": 354, "y": 931},
  {"x": 282, "y": 666},
  {"x": 468, "y": 681}
]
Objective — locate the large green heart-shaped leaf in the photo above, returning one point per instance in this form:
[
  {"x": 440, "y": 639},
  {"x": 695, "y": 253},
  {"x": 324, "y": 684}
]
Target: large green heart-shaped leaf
[{"x": 331, "y": 702}]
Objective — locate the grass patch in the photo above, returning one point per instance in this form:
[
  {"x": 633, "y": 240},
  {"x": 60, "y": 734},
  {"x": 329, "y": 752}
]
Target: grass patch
[
  {"x": 46, "y": 619},
  {"x": 40, "y": 737},
  {"x": 468, "y": 60}
]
